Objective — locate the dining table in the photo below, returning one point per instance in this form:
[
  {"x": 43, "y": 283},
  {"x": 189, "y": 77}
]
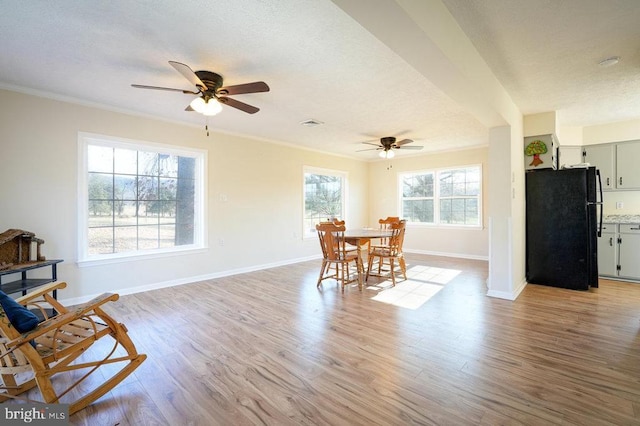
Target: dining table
[{"x": 359, "y": 238}]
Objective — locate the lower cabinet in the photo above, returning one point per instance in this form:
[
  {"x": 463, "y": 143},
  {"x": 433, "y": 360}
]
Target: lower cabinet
[
  {"x": 629, "y": 251},
  {"x": 608, "y": 250},
  {"x": 619, "y": 251}
]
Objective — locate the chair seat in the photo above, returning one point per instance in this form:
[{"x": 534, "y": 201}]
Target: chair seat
[
  {"x": 56, "y": 344},
  {"x": 385, "y": 251},
  {"x": 346, "y": 257}
]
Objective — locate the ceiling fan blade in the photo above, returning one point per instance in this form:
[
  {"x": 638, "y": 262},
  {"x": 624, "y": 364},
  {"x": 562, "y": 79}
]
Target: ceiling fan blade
[
  {"x": 369, "y": 149},
  {"x": 374, "y": 144},
  {"x": 188, "y": 73},
  {"x": 255, "y": 87},
  {"x": 404, "y": 142},
  {"x": 142, "y": 86},
  {"x": 239, "y": 105},
  {"x": 409, "y": 147}
]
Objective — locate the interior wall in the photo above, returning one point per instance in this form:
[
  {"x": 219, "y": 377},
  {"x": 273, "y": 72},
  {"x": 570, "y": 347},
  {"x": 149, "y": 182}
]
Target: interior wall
[
  {"x": 611, "y": 132},
  {"x": 448, "y": 241},
  {"x": 543, "y": 123},
  {"x": 570, "y": 136},
  {"x": 259, "y": 224}
]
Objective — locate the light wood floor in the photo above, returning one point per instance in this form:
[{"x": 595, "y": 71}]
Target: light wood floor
[{"x": 269, "y": 348}]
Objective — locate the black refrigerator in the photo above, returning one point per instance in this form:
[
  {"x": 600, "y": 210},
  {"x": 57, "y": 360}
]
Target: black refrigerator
[{"x": 563, "y": 227}]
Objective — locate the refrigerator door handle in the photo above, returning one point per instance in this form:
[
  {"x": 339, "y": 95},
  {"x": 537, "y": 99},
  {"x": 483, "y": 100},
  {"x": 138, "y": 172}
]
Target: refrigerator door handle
[{"x": 601, "y": 201}]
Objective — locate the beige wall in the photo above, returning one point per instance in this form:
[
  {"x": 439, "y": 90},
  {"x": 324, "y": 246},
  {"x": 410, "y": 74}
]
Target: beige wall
[
  {"x": 454, "y": 241},
  {"x": 611, "y": 132},
  {"x": 260, "y": 222}
]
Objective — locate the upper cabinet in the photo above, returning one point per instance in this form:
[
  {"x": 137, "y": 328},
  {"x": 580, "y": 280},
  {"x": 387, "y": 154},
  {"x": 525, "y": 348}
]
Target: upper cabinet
[
  {"x": 602, "y": 156},
  {"x": 617, "y": 162},
  {"x": 627, "y": 160},
  {"x": 569, "y": 154}
]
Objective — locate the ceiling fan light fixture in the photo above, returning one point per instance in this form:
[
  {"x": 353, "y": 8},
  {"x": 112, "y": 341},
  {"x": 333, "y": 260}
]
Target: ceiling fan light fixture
[
  {"x": 198, "y": 104},
  {"x": 211, "y": 107},
  {"x": 387, "y": 154}
]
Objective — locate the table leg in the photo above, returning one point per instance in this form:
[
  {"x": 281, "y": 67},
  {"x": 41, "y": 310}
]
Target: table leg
[
  {"x": 360, "y": 267},
  {"x": 359, "y": 242}
]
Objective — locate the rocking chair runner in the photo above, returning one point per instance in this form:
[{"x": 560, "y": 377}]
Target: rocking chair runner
[{"x": 52, "y": 346}]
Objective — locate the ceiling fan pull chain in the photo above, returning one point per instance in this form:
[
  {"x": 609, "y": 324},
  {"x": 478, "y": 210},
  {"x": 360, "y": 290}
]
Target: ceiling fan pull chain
[{"x": 206, "y": 126}]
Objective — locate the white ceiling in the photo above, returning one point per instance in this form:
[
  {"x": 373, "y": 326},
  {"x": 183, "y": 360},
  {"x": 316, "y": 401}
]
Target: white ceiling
[{"x": 321, "y": 63}]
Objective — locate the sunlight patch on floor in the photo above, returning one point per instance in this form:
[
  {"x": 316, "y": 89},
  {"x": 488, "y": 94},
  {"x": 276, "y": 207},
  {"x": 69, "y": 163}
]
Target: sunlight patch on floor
[{"x": 422, "y": 284}]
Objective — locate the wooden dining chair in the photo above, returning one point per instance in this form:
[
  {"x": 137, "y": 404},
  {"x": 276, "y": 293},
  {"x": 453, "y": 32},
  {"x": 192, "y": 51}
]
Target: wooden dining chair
[
  {"x": 40, "y": 356},
  {"x": 335, "y": 254},
  {"x": 384, "y": 225},
  {"x": 392, "y": 252}
]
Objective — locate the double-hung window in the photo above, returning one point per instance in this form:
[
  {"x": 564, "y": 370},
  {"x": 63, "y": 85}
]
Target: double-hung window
[
  {"x": 418, "y": 197},
  {"x": 442, "y": 197},
  {"x": 325, "y": 194},
  {"x": 139, "y": 198}
]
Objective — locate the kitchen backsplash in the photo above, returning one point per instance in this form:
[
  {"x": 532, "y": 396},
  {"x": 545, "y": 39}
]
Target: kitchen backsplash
[
  {"x": 630, "y": 202},
  {"x": 624, "y": 218}
]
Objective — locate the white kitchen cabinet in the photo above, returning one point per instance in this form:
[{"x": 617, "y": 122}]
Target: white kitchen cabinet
[
  {"x": 608, "y": 250},
  {"x": 627, "y": 170},
  {"x": 602, "y": 157},
  {"x": 629, "y": 251},
  {"x": 570, "y": 155}
]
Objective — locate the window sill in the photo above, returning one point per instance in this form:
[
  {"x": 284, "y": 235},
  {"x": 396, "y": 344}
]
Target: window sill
[{"x": 136, "y": 256}]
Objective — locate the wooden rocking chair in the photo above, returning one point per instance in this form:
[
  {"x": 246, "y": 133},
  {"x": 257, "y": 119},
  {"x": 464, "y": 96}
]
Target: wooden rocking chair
[{"x": 55, "y": 343}]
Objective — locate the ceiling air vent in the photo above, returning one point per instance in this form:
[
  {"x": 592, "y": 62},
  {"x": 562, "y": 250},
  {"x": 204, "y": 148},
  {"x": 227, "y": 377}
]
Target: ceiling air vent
[{"x": 311, "y": 123}]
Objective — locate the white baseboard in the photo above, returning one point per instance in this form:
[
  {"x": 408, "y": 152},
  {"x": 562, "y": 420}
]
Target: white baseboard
[
  {"x": 190, "y": 280},
  {"x": 456, "y": 255},
  {"x": 508, "y": 295}
]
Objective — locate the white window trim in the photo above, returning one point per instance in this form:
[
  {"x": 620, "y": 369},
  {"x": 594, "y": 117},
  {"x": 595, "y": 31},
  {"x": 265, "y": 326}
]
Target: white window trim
[
  {"x": 436, "y": 199},
  {"x": 200, "y": 243},
  {"x": 327, "y": 172}
]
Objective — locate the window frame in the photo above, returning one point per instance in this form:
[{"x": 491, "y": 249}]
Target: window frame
[
  {"x": 437, "y": 197},
  {"x": 307, "y": 233},
  {"x": 200, "y": 203}
]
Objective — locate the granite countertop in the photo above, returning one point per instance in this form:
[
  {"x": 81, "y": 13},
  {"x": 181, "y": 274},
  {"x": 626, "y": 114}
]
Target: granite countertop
[{"x": 621, "y": 218}]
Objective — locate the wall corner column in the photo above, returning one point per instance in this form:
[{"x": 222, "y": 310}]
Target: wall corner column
[{"x": 506, "y": 213}]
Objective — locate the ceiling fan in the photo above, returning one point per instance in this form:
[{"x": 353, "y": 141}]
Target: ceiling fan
[
  {"x": 210, "y": 91},
  {"x": 388, "y": 144}
]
